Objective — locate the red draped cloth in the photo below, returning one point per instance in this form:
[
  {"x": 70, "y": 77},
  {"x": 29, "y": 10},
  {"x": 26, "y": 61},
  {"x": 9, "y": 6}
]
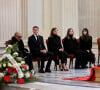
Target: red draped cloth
[{"x": 85, "y": 78}]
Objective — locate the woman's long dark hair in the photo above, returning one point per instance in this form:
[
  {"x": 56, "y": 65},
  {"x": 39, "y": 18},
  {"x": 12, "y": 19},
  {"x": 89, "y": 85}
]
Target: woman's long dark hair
[
  {"x": 51, "y": 33},
  {"x": 68, "y": 35},
  {"x": 85, "y": 37}
]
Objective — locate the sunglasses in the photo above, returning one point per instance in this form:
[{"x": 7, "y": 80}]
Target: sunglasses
[{"x": 19, "y": 36}]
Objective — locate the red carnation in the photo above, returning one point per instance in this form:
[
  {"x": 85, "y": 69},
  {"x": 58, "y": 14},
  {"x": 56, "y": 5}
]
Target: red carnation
[
  {"x": 24, "y": 66},
  {"x": 10, "y": 69},
  {"x": 31, "y": 76},
  {"x": 7, "y": 78},
  {"x": 0, "y": 71},
  {"x": 20, "y": 80},
  {"x": 15, "y": 71}
]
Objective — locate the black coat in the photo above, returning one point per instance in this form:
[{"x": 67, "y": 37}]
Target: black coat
[
  {"x": 86, "y": 44},
  {"x": 70, "y": 45},
  {"x": 20, "y": 43},
  {"x": 36, "y": 45},
  {"x": 54, "y": 43}
]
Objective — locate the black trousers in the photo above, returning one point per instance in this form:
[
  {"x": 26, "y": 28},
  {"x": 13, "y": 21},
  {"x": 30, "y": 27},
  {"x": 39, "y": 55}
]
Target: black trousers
[
  {"x": 43, "y": 57},
  {"x": 62, "y": 55},
  {"x": 81, "y": 58},
  {"x": 90, "y": 57},
  {"x": 28, "y": 59}
]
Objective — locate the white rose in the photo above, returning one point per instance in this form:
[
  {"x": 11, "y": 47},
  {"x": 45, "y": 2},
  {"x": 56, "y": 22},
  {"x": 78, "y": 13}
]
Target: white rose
[
  {"x": 4, "y": 65},
  {"x": 21, "y": 76},
  {"x": 10, "y": 46},
  {"x": 27, "y": 74},
  {"x": 23, "y": 69},
  {"x": 10, "y": 65},
  {"x": 22, "y": 62},
  {"x": 1, "y": 75},
  {"x": 15, "y": 53},
  {"x": 19, "y": 64},
  {"x": 19, "y": 58}
]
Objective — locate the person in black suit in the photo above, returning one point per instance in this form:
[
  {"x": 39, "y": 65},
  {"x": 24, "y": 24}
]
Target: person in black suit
[
  {"x": 23, "y": 52},
  {"x": 37, "y": 48},
  {"x": 86, "y": 45},
  {"x": 54, "y": 46},
  {"x": 71, "y": 47}
]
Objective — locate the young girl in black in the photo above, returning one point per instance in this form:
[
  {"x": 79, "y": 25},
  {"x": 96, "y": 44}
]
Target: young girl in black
[{"x": 86, "y": 45}]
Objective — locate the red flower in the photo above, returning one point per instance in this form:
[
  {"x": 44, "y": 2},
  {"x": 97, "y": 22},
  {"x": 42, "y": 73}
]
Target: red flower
[
  {"x": 15, "y": 71},
  {"x": 20, "y": 80},
  {"x": 10, "y": 69},
  {"x": 0, "y": 71},
  {"x": 24, "y": 66},
  {"x": 31, "y": 76},
  {"x": 7, "y": 78}
]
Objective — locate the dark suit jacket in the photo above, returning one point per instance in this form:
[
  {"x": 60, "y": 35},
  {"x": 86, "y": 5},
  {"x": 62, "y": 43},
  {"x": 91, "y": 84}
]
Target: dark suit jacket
[
  {"x": 36, "y": 45},
  {"x": 54, "y": 43}
]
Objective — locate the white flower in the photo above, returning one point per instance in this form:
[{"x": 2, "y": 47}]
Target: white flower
[
  {"x": 22, "y": 62},
  {"x": 4, "y": 65},
  {"x": 1, "y": 75},
  {"x": 19, "y": 58},
  {"x": 0, "y": 66},
  {"x": 20, "y": 75},
  {"x": 15, "y": 53},
  {"x": 10, "y": 46},
  {"x": 19, "y": 64},
  {"x": 23, "y": 69},
  {"x": 27, "y": 74},
  {"x": 10, "y": 65}
]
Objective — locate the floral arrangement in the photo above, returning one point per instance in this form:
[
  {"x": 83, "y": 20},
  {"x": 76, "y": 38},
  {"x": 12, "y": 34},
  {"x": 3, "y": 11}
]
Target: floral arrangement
[{"x": 13, "y": 68}]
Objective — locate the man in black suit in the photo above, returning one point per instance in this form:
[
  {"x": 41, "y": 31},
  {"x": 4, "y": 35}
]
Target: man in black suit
[
  {"x": 23, "y": 52},
  {"x": 37, "y": 48}
]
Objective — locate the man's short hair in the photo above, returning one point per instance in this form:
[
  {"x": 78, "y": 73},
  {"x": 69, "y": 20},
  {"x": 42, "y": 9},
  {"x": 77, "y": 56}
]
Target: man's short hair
[{"x": 35, "y": 27}]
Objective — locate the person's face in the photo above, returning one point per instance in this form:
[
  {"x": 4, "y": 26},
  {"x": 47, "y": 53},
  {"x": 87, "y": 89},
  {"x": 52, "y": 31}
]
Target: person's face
[
  {"x": 71, "y": 32},
  {"x": 84, "y": 32},
  {"x": 19, "y": 37},
  {"x": 35, "y": 31},
  {"x": 55, "y": 32}
]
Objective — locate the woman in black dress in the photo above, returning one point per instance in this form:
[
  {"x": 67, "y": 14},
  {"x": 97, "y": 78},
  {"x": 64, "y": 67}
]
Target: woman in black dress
[
  {"x": 54, "y": 46},
  {"x": 86, "y": 45},
  {"x": 71, "y": 47}
]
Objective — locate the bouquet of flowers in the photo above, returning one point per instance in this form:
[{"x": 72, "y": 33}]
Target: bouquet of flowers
[{"x": 13, "y": 67}]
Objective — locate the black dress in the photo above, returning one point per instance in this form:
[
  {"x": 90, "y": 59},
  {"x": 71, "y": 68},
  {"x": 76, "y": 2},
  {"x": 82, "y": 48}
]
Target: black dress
[
  {"x": 71, "y": 47},
  {"x": 86, "y": 44},
  {"x": 54, "y": 44},
  {"x": 23, "y": 52}
]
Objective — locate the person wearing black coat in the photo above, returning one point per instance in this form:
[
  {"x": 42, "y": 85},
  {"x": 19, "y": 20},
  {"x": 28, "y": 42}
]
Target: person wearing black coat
[
  {"x": 37, "y": 48},
  {"x": 71, "y": 47},
  {"x": 86, "y": 45},
  {"x": 23, "y": 52},
  {"x": 54, "y": 46}
]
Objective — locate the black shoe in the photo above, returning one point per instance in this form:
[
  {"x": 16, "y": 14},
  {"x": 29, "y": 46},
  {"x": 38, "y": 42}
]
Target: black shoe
[
  {"x": 61, "y": 69},
  {"x": 66, "y": 70},
  {"x": 48, "y": 70},
  {"x": 41, "y": 71}
]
